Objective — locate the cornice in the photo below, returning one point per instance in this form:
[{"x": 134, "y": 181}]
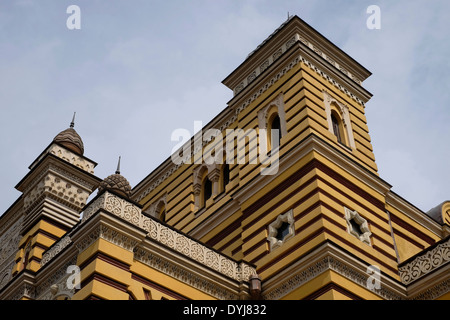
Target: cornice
[
  {"x": 414, "y": 213},
  {"x": 329, "y": 257},
  {"x": 425, "y": 262},
  {"x": 294, "y": 29}
]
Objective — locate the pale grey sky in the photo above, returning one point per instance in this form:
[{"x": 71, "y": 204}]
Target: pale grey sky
[{"x": 138, "y": 70}]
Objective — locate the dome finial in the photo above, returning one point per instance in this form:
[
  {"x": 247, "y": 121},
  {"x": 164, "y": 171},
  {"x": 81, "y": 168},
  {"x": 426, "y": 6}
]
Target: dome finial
[
  {"x": 72, "y": 124},
  {"x": 118, "y": 167},
  {"x": 70, "y": 139}
]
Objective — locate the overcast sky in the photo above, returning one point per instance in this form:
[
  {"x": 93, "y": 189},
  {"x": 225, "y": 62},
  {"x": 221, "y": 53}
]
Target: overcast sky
[{"x": 138, "y": 70}]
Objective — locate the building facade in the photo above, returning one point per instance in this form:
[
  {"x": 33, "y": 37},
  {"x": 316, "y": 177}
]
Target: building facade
[{"x": 278, "y": 197}]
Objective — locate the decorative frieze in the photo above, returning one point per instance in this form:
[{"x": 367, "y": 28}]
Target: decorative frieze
[
  {"x": 313, "y": 271},
  {"x": 77, "y": 160},
  {"x": 56, "y": 284},
  {"x": 426, "y": 263},
  {"x": 278, "y": 52},
  {"x": 167, "y": 236},
  {"x": 178, "y": 272},
  {"x": 55, "y": 249}
]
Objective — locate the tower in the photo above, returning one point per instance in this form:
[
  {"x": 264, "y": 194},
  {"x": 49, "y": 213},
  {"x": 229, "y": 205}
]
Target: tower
[
  {"x": 54, "y": 192},
  {"x": 319, "y": 225}
]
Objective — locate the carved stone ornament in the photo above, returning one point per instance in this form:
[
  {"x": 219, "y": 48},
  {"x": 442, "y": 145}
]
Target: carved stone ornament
[
  {"x": 343, "y": 111},
  {"x": 287, "y": 218},
  {"x": 365, "y": 233},
  {"x": 55, "y": 249},
  {"x": 425, "y": 263},
  {"x": 164, "y": 235},
  {"x": 313, "y": 271}
]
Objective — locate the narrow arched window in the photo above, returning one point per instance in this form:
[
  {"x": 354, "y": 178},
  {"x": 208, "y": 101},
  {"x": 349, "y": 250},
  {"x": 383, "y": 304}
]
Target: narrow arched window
[
  {"x": 276, "y": 125},
  {"x": 160, "y": 211},
  {"x": 226, "y": 175},
  {"x": 336, "y": 127},
  {"x": 162, "y": 214},
  {"x": 26, "y": 256},
  {"x": 207, "y": 190}
]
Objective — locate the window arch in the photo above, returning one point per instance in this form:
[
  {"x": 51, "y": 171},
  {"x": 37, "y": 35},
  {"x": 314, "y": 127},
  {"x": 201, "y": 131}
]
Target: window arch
[
  {"x": 225, "y": 176},
  {"x": 337, "y": 127},
  {"x": 158, "y": 208},
  {"x": 207, "y": 190},
  {"x": 274, "y": 123},
  {"x": 273, "y": 116},
  {"x": 206, "y": 183},
  {"x": 26, "y": 256},
  {"x": 161, "y": 211},
  {"x": 339, "y": 123}
]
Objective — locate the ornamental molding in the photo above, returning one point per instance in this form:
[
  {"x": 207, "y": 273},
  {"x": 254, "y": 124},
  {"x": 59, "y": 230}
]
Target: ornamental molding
[
  {"x": 109, "y": 234},
  {"x": 55, "y": 249},
  {"x": 22, "y": 287},
  {"x": 160, "y": 233},
  {"x": 58, "y": 187},
  {"x": 182, "y": 274},
  {"x": 435, "y": 292},
  {"x": 425, "y": 263},
  {"x": 328, "y": 261},
  {"x": 9, "y": 242},
  {"x": 55, "y": 285},
  {"x": 68, "y": 156},
  {"x": 72, "y": 158},
  {"x": 282, "y": 49},
  {"x": 6, "y": 273}
]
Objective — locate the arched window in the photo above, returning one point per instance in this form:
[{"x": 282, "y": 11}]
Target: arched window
[
  {"x": 274, "y": 124},
  {"x": 225, "y": 175},
  {"x": 26, "y": 254},
  {"x": 207, "y": 190},
  {"x": 337, "y": 127},
  {"x": 162, "y": 213}
]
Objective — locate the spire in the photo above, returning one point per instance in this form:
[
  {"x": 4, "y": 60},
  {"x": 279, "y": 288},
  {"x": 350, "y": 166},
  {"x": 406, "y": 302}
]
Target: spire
[
  {"x": 118, "y": 167},
  {"x": 72, "y": 124}
]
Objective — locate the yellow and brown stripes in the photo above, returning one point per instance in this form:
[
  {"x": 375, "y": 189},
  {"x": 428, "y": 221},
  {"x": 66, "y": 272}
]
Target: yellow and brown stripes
[
  {"x": 35, "y": 242},
  {"x": 316, "y": 194}
]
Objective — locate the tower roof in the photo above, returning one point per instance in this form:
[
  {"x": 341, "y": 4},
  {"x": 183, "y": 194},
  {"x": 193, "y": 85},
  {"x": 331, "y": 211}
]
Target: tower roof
[
  {"x": 117, "y": 183},
  {"x": 70, "y": 139}
]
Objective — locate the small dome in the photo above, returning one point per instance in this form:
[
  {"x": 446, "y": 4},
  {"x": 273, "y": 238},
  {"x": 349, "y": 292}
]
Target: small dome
[
  {"x": 70, "y": 139},
  {"x": 116, "y": 182}
]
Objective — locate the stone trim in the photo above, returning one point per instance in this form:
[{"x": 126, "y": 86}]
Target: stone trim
[
  {"x": 425, "y": 263},
  {"x": 165, "y": 235},
  {"x": 55, "y": 249},
  {"x": 364, "y": 226},
  {"x": 287, "y": 217},
  {"x": 180, "y": 273},
  {"x": 344, "y": 113},
  {"x": 328, "y": 258}
]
